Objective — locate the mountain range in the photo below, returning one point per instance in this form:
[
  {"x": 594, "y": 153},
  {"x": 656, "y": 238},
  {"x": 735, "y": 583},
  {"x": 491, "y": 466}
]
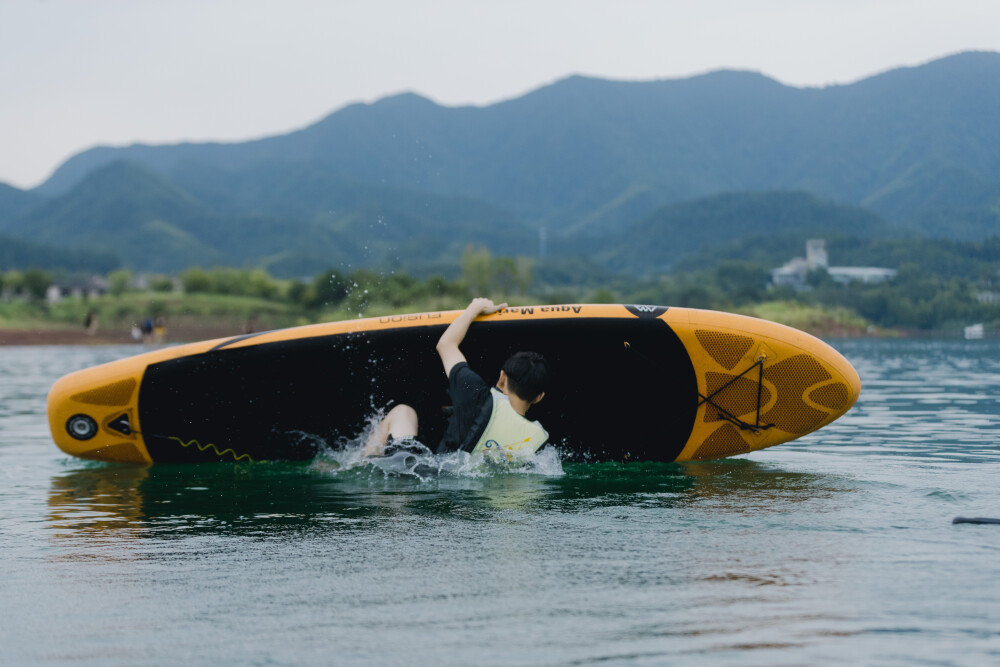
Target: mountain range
[{"x": 633, "y": 175}]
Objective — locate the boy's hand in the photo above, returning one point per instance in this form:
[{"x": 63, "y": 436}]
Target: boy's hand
[
  {"x": 447, "y": 345},
  {"x": 482, "y": 306}
]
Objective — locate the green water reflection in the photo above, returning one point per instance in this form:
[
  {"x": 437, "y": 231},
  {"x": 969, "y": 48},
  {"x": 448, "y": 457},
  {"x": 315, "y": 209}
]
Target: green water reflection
[{"x": 264, "y": 498}]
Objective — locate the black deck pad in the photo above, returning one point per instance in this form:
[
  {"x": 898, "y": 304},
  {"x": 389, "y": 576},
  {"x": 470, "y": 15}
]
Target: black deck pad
[{"x": 282, "y": 400}]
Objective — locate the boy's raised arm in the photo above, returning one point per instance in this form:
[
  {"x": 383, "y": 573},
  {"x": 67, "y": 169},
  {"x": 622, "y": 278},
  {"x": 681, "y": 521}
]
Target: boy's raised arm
[{"x": 447, "y": 345}]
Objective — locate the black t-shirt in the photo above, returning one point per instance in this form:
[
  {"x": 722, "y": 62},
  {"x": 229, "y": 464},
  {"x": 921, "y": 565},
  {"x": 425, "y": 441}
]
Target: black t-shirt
[{"x": 472, "y": 406}]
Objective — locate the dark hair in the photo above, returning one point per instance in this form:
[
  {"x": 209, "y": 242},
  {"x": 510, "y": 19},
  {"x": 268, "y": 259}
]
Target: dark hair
[{"x": 527, "y": 374}]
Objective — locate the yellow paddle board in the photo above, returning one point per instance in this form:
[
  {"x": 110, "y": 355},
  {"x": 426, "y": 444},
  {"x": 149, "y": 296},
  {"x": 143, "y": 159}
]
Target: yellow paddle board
[{"x": 630, "y": 383}]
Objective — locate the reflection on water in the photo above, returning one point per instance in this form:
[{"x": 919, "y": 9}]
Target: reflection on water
[
  {"x": 98, "y": 500},
  {"x": 251, "y": 498},
  {"x": 839, "y": 545}
]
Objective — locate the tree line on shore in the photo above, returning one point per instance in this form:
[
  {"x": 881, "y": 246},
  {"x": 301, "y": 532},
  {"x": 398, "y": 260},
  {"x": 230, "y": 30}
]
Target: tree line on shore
[{"x": 915, "y": 299}]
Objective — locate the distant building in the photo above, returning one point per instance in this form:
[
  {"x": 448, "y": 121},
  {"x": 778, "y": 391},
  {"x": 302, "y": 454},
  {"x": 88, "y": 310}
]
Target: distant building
[
  {"x": 86, "y": 288},
  {"x": 792, "y": 274},
  {"x": 816, "y": 254},
  {"x": 795, "y": 272},
  {"x": 988, "y": 298},
  {"x": 862, "y": 274},
  {"x": 974, "y": 332}
]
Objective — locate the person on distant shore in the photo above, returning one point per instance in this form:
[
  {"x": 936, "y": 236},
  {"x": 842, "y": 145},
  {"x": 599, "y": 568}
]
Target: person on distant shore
[
  {"x": 159, "y": 330},
  {"x": 483, "y": 418},
  {"x": 90, "y": 323}
]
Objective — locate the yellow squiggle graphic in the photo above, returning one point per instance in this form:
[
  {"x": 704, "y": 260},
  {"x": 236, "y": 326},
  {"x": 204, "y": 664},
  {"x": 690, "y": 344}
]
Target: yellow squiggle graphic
[{"x": 201, "y": 447}]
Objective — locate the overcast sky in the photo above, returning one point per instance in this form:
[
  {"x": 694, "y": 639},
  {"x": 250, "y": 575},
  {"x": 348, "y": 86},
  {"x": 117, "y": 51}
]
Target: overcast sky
[{"x": 80, "y": 73}]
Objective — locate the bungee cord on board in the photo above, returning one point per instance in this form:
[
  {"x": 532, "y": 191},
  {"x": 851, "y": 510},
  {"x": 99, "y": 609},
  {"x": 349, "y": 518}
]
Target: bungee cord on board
[{"x": 756, "y": 427}]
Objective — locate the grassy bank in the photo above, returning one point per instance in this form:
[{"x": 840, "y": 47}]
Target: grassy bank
[
  {"x": 423, "y": 305},
  {"x": 192, "y": 316},
  {"x": 821, "y": 321},
  {"x": 121, "y": 312}
]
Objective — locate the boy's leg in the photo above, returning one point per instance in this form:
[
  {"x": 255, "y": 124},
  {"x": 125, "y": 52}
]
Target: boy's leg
[{"x": 401, "y": 422}]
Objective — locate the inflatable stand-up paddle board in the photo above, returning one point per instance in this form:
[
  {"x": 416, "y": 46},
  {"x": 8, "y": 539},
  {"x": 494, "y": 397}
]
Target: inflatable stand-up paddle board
[{"x": 629, "y": 383}]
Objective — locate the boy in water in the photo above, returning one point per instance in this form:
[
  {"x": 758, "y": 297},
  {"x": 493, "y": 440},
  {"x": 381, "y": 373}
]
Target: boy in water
[{"x": 483, "y": 418}]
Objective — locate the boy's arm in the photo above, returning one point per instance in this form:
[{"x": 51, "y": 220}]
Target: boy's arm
[{"x": 447, "y": 345}]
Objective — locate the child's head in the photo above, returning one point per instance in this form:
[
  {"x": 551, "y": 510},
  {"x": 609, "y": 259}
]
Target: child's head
[{"x": 527, "y": 375}]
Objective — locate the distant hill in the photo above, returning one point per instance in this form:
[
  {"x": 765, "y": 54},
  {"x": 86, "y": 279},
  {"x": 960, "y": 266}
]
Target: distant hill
[
  {"x": 710, "y": 226},
  {"x": 13, "y": 202},
  {"x": 406, "y": 182},
  {"x": 156, "y": 225},
  {"x": 131, "y": 210},
  {"x": 559, "y": 154},
  {"x": 17, "y": 254}
]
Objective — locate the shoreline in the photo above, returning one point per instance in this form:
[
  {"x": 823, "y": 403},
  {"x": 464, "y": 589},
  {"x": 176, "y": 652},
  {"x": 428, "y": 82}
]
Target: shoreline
[
  {"x": 182, "y": 333},
  {"x": 44, "y": 336}
]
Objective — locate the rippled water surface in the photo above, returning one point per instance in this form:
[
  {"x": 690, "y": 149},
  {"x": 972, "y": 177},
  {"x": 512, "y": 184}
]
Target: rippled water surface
[{"x": 836, "y": 548}]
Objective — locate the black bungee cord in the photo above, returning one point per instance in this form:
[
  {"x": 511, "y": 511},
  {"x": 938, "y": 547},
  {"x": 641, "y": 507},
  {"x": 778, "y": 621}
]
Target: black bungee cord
[{"x": 756, "y": 427}]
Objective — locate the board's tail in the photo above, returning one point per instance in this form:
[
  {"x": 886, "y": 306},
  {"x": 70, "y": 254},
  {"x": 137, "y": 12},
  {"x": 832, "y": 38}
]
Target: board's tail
[{"x": 93, "y": 414}]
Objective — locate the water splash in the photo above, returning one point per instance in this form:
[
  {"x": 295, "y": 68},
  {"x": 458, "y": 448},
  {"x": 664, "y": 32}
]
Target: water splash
[{"x": 418, "y": 461}]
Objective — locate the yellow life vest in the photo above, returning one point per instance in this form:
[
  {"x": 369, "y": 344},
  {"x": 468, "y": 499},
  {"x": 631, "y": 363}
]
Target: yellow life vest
[{"x": 509, "y": 435}]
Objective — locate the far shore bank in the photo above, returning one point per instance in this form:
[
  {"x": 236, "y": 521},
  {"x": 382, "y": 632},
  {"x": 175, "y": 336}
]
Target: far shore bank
[
  {"x": 45, "y": 336},
  {"x": 190, "y": 334}
]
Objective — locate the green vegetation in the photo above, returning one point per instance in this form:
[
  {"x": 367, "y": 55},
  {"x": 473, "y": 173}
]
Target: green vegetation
[
  {"x": 235, "y": 299},
  {"x": 956, "y": 295},
  {"x": 940, "y": 285},
  {"x": 915, "y": 300},
  {"x": 194, "y": 311},
  {"x": 807, "y": 317},
  {"x": 949, "y": 285}
]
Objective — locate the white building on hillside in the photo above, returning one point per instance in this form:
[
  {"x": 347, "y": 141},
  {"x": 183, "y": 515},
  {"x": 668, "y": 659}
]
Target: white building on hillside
[{"x": 795, "y": 272}]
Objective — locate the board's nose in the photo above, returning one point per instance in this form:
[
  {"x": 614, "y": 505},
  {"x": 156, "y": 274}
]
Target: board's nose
[
  {"x": 796, "y": 390},
  {"x": 826, "y": 386},
  {"x": 760, "y": 383},
  {"x": 92, "y": 414},
  {"x": 839, "y": 400}
]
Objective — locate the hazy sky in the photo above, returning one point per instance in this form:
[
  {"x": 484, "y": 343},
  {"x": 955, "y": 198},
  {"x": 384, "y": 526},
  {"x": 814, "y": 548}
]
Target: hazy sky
[{"x": 80, "y": 73}]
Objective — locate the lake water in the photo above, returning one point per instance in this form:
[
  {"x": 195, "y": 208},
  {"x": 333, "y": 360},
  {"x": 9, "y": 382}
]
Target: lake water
[{"x": 836, "y": 548}]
